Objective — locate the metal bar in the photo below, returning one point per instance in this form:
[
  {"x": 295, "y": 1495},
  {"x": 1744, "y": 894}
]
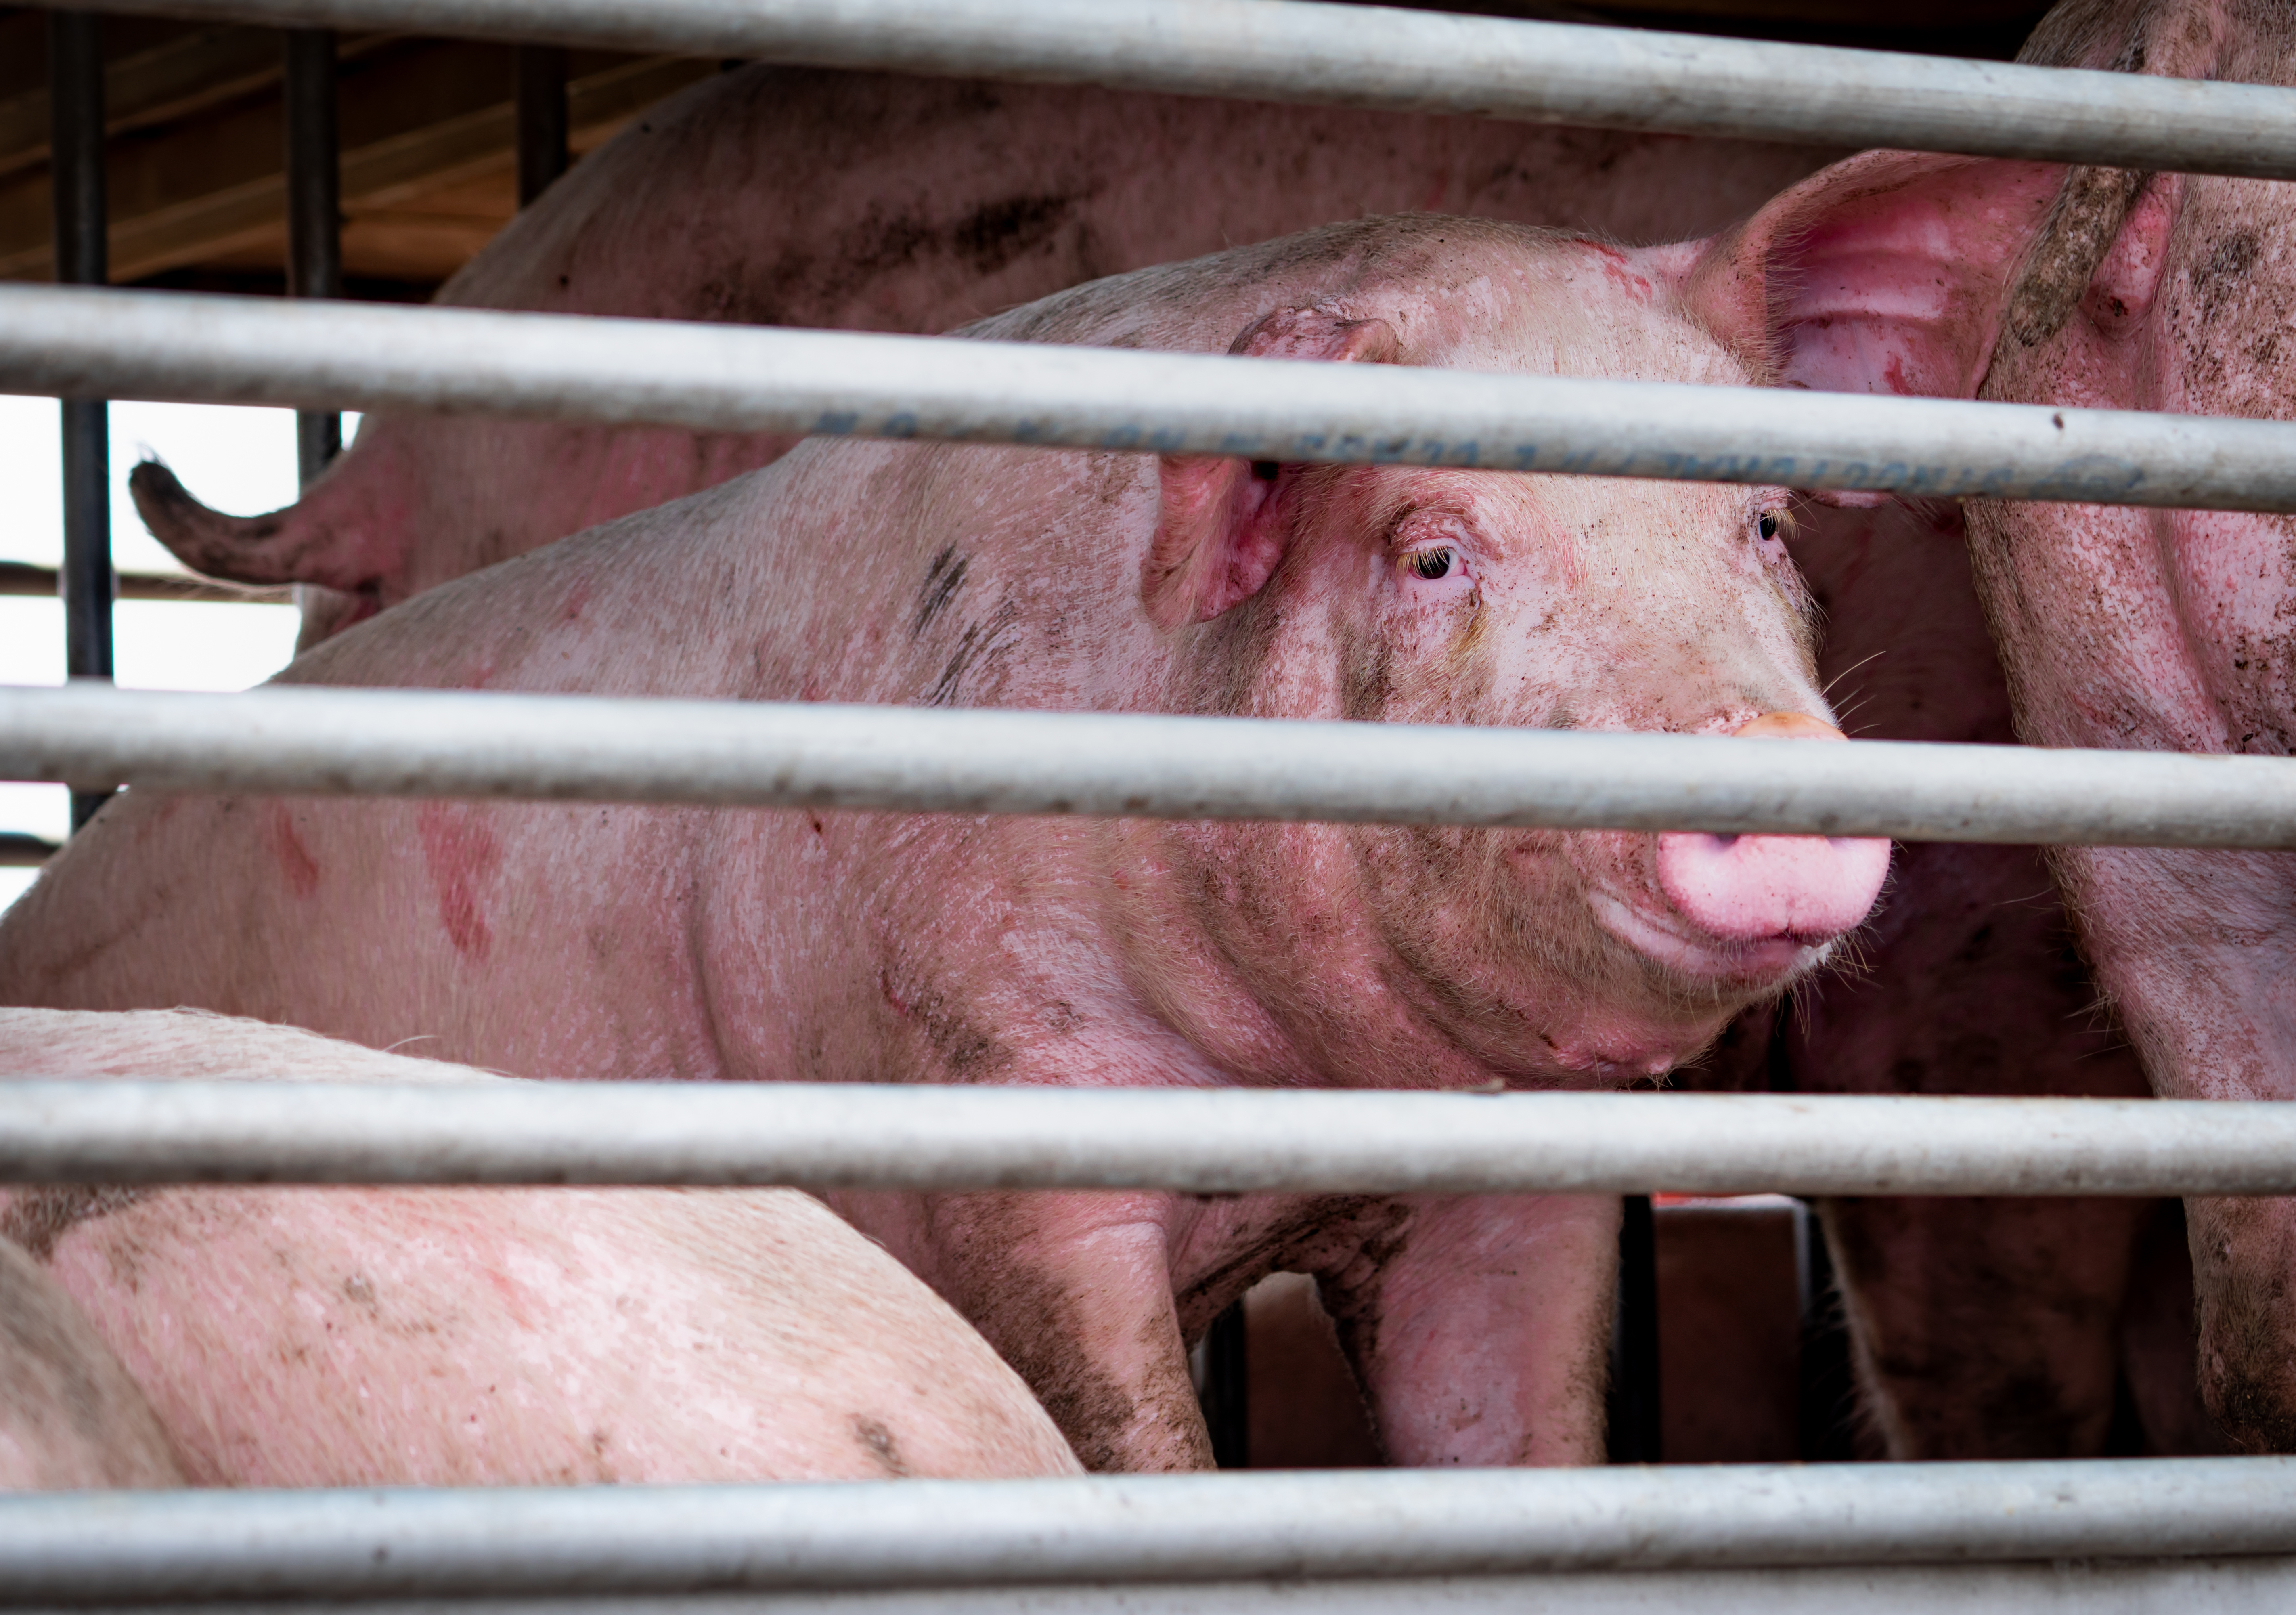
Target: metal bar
[
  {"x": 539, "y": 72},
  {"x": 1220, "y": 1141},
  {"x": 2188, "y": 1586},
  {"x": 1225, "y": 1394},
  {"x": 719, "y": 378},
  {"x": 315, "y": 232},
  {"x": 19, "y": 577},
  {"x": 20, "y": 850},
  {"x": 1413, "y": 61},
  {"x": 1634, "y": 1426},
  {"x": 303, "y": 740},
  {"x": 76, "y": 147},
  {"x": 607, "y": 1540}
]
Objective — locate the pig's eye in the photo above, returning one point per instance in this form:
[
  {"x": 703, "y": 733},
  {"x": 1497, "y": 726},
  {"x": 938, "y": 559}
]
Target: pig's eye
[
  {"x": 1768, "y": 524},
  {"x": 1772, "y": 525},
  {"x": 1439, "y": 561}
]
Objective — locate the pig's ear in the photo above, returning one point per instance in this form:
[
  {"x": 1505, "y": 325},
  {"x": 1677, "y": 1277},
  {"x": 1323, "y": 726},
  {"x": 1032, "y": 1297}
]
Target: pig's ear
[
  {"x": 1890, "y": 271},
  {"x": 1222, "y": 524}
]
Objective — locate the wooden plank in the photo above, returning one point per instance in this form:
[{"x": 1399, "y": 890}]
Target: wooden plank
[{"x": 418, "y": 117}]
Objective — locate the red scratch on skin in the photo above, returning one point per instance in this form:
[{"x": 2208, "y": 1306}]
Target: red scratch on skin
[
  {"x": 577, "y": 598},
  {"x": 1894, "y": 375},
  {"x": 460, "y": 850},
  {"x": 1614, "y": 264},
  {"x": 295, "y": 860}
]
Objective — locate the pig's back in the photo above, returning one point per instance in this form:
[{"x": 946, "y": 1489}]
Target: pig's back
[{"x": 299, "y": 1337}]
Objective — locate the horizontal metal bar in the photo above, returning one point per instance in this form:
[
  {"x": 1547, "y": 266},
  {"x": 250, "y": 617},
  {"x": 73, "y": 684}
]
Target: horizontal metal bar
[
  {"x": 304, "y": 741},
  {"x": 1220, "y": 1141},
  {"x": 19, "y": 849},
  {"x": 2189, "y": 1586},
  {"x": 17, "y": 578},
  {"x": 1414, "y": 61},
  {"x": 603, "y": 1540},
  {"x": 195, "y": 348}
]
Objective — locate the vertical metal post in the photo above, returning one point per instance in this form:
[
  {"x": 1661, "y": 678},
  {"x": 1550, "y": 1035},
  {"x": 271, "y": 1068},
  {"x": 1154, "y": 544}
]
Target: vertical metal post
[
  {"x": 314, "y": 239},
  {"x": 1225, "y": 1392},
  {"x": 1634, "y": 1338},
  {"x": 76, "y": 169},
  {"x": 540, "y": 72},
  {"x": 1827, "y": 1385}
]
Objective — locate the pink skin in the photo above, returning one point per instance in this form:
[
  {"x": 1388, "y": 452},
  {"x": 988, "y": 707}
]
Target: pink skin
[
  {"x": 925, "y": 202},
  {"x": 2171, "y": 630},
  {"x": 391, "y": 1337},
  {"x": 919, "y": 204},
  {"x": 577, "y": 941}
]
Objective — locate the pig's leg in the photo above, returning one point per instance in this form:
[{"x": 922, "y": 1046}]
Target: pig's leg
[
  {"x": 1483, "y": 1336},
  {"x": 1984, "y": 1328},
  {"x": 2199, "y": 949},
  {"x": 1075, "y": 1290}
]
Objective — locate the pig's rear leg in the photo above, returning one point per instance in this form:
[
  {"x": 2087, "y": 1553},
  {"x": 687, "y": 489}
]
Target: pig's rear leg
[
  {"x": 1482, "y": 1336},
  {"x": 1984, "y": 1328}
]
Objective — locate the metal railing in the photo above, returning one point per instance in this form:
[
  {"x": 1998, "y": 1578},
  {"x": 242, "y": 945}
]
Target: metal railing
[
  {"x": 1237, "y": 1532},
  {"x": 1226, "y": 1141},
  {"x": 631, "y": 1541},
  {"x": 1409, "y": 62},
  {"x": 312, "y": 741},
  {"x": 717, "y": 378}
]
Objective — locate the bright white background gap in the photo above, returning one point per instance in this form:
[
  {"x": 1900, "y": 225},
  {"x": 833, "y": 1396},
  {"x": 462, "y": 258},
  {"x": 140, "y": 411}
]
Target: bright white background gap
[{"x": 238, "y": 460}]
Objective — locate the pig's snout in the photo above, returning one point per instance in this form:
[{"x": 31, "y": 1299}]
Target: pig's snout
[{"x": 1756, "y": 888}]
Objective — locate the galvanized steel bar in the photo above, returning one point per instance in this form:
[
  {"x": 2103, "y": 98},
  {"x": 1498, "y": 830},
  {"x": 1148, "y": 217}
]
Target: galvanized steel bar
[
  {"x": 315, "y": 222},
  {"x": 81, "y": 221},
  {"x": 633, "y": 1540},
  {"x": 538, "y": 79},
  {"x": 1412, "y": 62},
  {"x": 1226, "y": 1141},
  {"x": 719, "y": 378},
  {"x": 303, "y": 740}
]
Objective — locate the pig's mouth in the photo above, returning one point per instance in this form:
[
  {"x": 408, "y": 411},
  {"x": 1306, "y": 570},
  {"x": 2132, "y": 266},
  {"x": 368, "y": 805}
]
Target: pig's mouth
[{"x": 1762, "y": 964}]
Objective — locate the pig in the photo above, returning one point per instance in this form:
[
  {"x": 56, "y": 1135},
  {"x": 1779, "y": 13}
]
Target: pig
[
  {"x": 477, "y": 1336},
  {"x": 2171, "y": 630},
  {"x": 71, "y": 1418},
  {"x": 875, "y": 202},
  {"x": 922, "y": 204},
  {"x": 581, "y": 941}
]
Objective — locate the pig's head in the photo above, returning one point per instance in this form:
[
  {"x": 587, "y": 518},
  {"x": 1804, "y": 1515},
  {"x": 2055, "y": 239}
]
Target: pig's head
[
  {"x": 1425, "y": 595},
  {"x": 1410, "y": 594}
]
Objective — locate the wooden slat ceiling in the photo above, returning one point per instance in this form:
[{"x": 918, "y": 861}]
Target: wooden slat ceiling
[{"x": 197, "y": 183}]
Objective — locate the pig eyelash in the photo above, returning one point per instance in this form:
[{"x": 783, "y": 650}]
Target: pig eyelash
[
  {"x": 1433, "y": 564},
  {"x": 1775, "y": 525}
]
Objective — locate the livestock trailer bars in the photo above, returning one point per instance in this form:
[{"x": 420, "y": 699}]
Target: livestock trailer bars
[
  {"x": 2193, "y": 1535},
  {"x": 58, "y": 341},
  {"x": 1408, "y": 62},
  {"x": 1227, "y": 1141},
  {"x": 610, "y": 1544}
]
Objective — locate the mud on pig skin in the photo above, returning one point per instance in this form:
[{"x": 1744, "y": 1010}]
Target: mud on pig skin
[
  {"x": 2171, "y": 630},
  {"x": 71, "y": 1418},
  {"x": 877, "y": 202},
  {"x": 383, "y": 1336},
  {"x": 589, "y": 941}
]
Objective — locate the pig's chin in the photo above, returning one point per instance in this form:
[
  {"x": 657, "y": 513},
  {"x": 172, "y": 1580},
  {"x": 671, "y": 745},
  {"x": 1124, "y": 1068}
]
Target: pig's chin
[{"x": 1755, "y": 966}]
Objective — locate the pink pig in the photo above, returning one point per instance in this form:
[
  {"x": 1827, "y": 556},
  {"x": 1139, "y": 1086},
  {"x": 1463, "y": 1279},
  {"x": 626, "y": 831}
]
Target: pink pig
[
  {"x": 2171, "y": 630},
  {"x": 580, "y": 941},
  {"x": 1985, "y": 1328},
  {"x": 467, "y": 1336}
]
